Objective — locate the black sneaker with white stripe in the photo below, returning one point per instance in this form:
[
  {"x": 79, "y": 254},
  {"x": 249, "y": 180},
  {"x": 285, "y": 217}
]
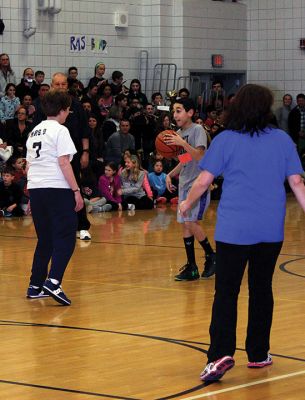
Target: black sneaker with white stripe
[
  {"x": 56, "y": 292},
  {"x": 35, "y": 292}
]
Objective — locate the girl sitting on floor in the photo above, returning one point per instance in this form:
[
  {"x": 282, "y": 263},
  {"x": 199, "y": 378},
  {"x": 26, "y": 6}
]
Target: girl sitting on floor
[
  {"x": 109, "y": 186},
  {"x": 132, "y": 180}
]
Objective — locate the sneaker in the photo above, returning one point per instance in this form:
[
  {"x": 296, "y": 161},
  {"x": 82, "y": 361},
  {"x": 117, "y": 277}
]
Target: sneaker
[
  {"x": 216, "y": 370},
  {"x": 84, "y": 235},
  {"x": 7, "y": 214},
  {"x": 56, "y": 292},
  {"x": 34, "y": 292},
  {"x": 174, "y": 200},
  {"x": 209, "y": 266},
  {"x": 105, "y": 208},
  {"x": 161, "y": 200},
  {"x": 131, "y": 207},
  {"x": 189, "y": 272},
  {"x": 260, "y": 364}
]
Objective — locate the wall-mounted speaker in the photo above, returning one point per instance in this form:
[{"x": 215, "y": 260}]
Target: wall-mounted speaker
[{"x": 121, "y": 19}]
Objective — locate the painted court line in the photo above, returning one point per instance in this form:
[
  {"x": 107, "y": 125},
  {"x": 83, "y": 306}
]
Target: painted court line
[{"x": 200, "y": 396}]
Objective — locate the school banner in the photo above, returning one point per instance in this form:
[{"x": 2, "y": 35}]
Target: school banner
[{"x": 83, "y": 43}]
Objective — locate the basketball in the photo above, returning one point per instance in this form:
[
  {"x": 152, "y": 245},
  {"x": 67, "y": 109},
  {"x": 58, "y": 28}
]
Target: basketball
[{"x": 167, "y": 150}]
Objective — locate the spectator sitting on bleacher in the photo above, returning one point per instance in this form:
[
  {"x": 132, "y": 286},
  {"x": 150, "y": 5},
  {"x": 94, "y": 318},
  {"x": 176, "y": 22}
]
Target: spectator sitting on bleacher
[
  {"x": 96, "y": 145},
  {"x": 184, "y": 93},
  {"x": 90, "y": 96},
  {"x": 17, "y": 132},
  {"x": 116, "y": 84},
  {"x": 211, "y": 116},
  {"x": 105, "y": 101},
  {"x": 118, "y": 142},
  {"x": 121, "y": 101},
  {"x": 72, "y": 77},
  {"x": 7, "y": 75},
  {"x": 98, "y": 78},
  {"x": 27, "y": 103},
  {"x": 112, "y": 123},
  {"x": 9, "y": 103},
  {"x": 157, "y": 99},
  {"x": 27, "y": 85},
  {"x": 136, "y": 93}
]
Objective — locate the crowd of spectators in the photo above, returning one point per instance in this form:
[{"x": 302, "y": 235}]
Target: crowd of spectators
[{"x": 120, "y": 120}]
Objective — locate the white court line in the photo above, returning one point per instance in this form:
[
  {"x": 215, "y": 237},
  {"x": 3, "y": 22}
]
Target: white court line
[{"x": 200, "y": 396}]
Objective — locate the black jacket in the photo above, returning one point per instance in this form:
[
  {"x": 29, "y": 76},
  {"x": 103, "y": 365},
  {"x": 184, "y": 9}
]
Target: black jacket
[{"x": 294, "y": 123}]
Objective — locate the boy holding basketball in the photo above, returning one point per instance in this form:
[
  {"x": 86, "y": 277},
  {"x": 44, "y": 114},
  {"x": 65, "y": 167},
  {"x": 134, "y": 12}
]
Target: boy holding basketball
[{"x": 193, "y": 139}]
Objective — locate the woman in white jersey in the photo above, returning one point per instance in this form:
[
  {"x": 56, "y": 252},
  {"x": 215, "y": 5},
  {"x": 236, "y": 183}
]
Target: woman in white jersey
[{"x": 54, "y": 197}]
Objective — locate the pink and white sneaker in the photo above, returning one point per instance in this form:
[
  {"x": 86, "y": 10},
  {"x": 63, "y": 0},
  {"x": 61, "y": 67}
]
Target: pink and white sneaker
[
  {"x": 161, "y": 200},
  {"x": 260, "y": 364},
  {"x": 215, "y": 370}
]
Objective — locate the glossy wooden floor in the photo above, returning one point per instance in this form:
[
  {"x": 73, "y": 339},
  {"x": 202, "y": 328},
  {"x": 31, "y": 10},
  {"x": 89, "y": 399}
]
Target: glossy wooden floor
[{"x": 132, "y": 332}]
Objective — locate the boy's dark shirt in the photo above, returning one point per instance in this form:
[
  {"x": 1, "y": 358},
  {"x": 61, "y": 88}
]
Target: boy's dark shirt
[{"x": 10, "y": 194}]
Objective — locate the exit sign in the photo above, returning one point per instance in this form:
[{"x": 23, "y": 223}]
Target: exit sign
[{"x": 217, "y": 60}]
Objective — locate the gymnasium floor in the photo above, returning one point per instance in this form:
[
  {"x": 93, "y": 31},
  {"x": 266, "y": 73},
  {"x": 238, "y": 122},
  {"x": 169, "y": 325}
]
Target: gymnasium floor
[{"x": 132, "y": 332}]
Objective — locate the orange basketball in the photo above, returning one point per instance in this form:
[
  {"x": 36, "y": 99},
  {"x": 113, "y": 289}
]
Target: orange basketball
[{"x": 167, "y": 150}]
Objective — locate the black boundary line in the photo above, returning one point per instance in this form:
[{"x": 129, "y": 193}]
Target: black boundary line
[
  {"x": 180, "y": 342},
  {"x": 282, "y": 267},
  {"x": 185, "y": 343},
  {"x": 160, "y": 338},
  {"x": 100, "y": 242},
  {"x": 164, "y": 339},
  {"x": 67, "y": 390},
  {"x": 173, "y": 396},
  {"x": 144, "y": 245}
]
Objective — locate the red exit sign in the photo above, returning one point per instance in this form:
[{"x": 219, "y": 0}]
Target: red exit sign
[{"x": 217, "y": 60}]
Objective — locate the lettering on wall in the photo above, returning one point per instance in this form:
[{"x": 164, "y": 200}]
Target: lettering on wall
[
  {"x": 77, "y": 43},
  {"x": 82, "y": 43},
  {"x": 98, "y": 44}
]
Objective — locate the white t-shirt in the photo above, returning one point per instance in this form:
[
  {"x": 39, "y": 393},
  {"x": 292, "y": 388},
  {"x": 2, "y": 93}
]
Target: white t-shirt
[{"x": 48, "y": 141}]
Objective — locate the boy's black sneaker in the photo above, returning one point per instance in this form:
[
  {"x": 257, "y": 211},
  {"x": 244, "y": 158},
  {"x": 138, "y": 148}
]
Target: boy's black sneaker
[
  {"x": 189, "y": 272},
  {"x": 209, "y": 266},
  {"x": 34, "y": 292},
  {"x": 56, "y": 292}
]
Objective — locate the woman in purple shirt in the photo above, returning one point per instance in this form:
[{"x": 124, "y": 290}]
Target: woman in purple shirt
[{"x": 254, "y": 158}]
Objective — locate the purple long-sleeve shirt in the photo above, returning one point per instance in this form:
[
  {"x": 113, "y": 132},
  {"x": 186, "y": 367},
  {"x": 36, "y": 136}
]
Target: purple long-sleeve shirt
[{"x": 109, "y": 189}]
